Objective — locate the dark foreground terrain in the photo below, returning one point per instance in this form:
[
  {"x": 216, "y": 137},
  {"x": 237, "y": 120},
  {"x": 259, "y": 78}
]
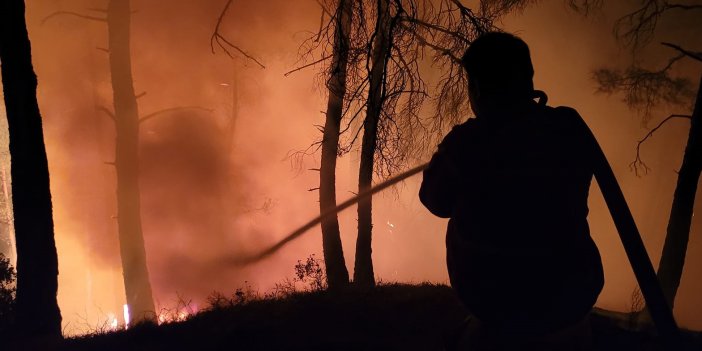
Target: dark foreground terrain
[{"x": 391, "y": 317}]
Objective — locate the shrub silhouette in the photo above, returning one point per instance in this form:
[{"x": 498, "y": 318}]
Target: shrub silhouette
[{"x": 7, "y": 294}]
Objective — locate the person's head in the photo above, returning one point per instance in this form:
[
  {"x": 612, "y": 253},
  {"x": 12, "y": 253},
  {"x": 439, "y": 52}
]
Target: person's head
[{"x": 499, "y": 71}]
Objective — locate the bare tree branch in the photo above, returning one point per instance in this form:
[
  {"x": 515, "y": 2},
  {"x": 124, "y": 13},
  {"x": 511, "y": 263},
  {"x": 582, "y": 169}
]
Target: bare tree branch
[
  {"x": 693, "y": 55},
  {"x": 107, "y": 112},
  {"x": 637, "y": 27},
  {"x": 443, "y": 51},
  {"x": 307, "y": 65},
  {"x": 172, "y": 109},
  {"x": 325, "y": 10},
  {"x": 638, "y": 162},
  {"x": 644, "y": 89},
  {"x": 76, "y": 14},
  {"x": 225, "y": 44},
  {"x": 321, "y": 22},
  {"x": 684, "y": 7},
  {"x": 585, "y": 7}
]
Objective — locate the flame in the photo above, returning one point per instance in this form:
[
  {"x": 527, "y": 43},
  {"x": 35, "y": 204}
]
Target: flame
[
  {"x": 178, "y": 315},
  {"x": 112, "y": 322},
  {"x": 125, "y": 309}
]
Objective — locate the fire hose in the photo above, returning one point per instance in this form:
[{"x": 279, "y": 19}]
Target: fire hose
[{"x": 629, "y": 234}]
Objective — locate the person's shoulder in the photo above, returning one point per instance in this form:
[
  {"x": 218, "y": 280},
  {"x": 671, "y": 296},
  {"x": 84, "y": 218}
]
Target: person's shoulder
[
  {"x": 567, "y": 116},
  {"x": 468, "y": 125},
  {"x": 461, "y": 132},
  {"x": 563, "y": 112}
]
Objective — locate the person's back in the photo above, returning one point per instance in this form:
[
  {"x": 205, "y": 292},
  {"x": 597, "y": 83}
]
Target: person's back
[{"x": 514, "y": 182}]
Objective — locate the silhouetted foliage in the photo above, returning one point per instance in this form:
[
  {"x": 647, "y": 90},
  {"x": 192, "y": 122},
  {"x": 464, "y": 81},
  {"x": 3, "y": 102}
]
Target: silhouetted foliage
[
  {"x": 311, "y": 273},
  {"x": 645, "y": 89},
  {"x": 7, "y": 294}
]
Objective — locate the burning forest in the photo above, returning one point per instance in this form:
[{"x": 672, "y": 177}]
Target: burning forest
[{"x": 222, "y": 155}]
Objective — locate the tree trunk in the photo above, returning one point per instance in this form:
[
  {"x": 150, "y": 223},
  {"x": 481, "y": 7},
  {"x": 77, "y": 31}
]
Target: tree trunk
[
  {"x": 131, "y": 239},
  {"x": 363, "y": 269},
  {"x": 670, "y": 268},
  {"x": 9, "y": 230},
  {"x": 234, "y": 116},
  {"x": 337, "y": 274},
  {"x": 37, "y": 312}
]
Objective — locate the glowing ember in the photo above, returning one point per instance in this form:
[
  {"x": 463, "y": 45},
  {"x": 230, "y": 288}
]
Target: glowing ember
[
  {"x": 112, "y": 322},
  {"x": 391, "y": 226},
  {"x": 182, "y": 314}
]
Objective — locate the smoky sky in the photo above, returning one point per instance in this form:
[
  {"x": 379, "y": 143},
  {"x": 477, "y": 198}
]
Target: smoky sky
[{"x": 208, "y": 192}]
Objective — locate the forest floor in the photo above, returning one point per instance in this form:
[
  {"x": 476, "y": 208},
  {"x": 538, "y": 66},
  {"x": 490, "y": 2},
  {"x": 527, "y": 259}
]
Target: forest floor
[{"x": 389, "y": 317}]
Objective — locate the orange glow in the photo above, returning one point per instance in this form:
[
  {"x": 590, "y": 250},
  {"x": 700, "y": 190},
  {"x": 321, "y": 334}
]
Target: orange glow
[{"x": 202, "y": 201}]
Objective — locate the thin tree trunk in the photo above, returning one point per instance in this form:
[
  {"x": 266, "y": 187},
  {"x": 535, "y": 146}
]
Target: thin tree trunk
[
  {"x": 131, "y": 239},
  {"x": 337, "y": 274},
  {"x": 672, "y": 261},
  {"x": 37, "y": 312},
  {"x": 231, "y": 125},
  {"x": 363, "y": 269}
]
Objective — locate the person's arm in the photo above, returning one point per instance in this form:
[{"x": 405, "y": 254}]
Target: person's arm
[{"x": 440, "y": 180}]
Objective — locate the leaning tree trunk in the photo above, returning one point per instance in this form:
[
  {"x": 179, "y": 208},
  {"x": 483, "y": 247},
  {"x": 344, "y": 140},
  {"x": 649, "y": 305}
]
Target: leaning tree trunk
[
  {"x": 131, "y": 239},
  {"x": 363, "y": 269},
  {"x": 37, "y": 312},
  {"x": 670, "y": 268},
  {"x": 337, "y": 274}
]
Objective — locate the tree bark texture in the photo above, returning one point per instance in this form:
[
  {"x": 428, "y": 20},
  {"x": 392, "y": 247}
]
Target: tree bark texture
[
  {"x": 37, "y": 311},
  {"x": 363, "y": 275},
  {"x": 131, "y": 239},
  {"x": 670, "y": 267},
  {"x": 337, "y": 274}
]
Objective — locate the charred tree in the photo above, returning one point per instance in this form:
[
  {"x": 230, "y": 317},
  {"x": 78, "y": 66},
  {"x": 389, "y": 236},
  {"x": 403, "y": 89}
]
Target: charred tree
[
  {"x": 126, "y": 116},
  {"x": 337, "y": 274},
  {"x": 388, "y": 40},
  {"x": 363, "y": 268},
  {"x": 37, "y": 311},
  {"x": 670, "y": 266}
]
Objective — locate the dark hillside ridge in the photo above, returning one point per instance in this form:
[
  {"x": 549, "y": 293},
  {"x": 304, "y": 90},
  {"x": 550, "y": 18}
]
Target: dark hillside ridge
[{"x": 389, "y": 317}]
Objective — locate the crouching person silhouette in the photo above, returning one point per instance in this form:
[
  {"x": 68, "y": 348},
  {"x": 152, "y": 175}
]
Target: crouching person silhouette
[{"x": 514, "y": 182}]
